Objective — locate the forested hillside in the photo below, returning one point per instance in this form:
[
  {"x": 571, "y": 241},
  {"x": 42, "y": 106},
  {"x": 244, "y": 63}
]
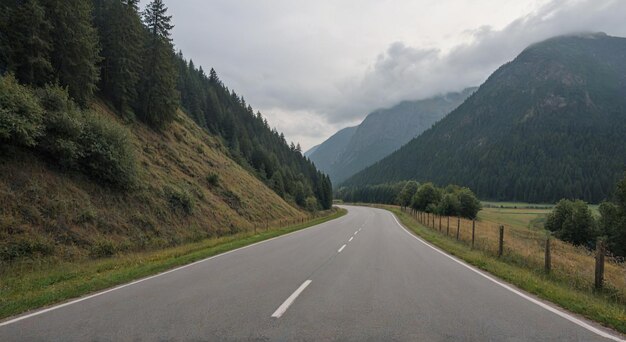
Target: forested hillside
[
  {"x": 251, "y": 141},
  {"x": 108, "y": 48},
  {"x": 548, "y": 125},
  {"x": 98, "y": 149},
  {"x": 381, "y": 133}
]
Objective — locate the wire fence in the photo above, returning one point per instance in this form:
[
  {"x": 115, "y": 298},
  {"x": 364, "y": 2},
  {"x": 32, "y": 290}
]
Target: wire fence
[
  {"x": 536, "y": 249},
  {"x": 288, "y": 222}
]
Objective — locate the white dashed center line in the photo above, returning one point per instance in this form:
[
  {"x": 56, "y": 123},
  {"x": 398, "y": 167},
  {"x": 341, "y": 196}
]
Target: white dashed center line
[
  {"x": 341, "y": 249},
  {"x": 285, "y": 305},
  {"x": 352, "y": 237}
]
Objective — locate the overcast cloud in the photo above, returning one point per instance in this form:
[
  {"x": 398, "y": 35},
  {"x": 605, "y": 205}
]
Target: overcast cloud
[{"x": 313, "y": 67}]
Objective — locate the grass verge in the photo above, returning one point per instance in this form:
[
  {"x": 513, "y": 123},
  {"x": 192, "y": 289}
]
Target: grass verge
[
  {"x": 595, "y": 306},
  {"x": 22, "y": 290}
]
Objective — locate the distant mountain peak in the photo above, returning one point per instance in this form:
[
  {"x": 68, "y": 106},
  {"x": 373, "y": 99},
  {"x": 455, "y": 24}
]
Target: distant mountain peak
[{"x": 382, "y": 132}]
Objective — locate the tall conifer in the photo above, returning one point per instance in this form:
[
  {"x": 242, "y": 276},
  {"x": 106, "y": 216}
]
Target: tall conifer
[{"x": 159, "y": 97}]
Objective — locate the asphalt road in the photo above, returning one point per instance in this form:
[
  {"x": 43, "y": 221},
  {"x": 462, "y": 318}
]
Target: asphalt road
[{"x": 383, "y": 285}]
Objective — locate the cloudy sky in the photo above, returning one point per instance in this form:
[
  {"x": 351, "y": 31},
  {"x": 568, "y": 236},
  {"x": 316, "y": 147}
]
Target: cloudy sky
[{"x": 313, "y": 67}]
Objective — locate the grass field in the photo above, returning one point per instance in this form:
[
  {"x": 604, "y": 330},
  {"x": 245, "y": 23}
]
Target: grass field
[
  {"x": 518, "y": 217},
  {"x": 28, "y": 286},
  {"x": 569, "y": 285}
]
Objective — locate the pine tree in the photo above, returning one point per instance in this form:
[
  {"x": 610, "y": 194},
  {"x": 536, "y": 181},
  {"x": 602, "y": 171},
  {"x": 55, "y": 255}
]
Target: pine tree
[
  {"x": 75, "y": 54},
  {"x": 25, "y": 42},
  {"x": 121, "y": 36},
  {"x": 159, "y": 97}
]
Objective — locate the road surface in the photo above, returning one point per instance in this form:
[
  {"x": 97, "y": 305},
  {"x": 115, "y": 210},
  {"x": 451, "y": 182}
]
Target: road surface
[{"x": 358, "y": 278}]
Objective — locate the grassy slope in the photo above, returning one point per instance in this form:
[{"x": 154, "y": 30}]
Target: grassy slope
[
  {"x": 22, "y": 290},
  {"x": 596, "y": 306},
  {"x": 45, "y": 211}
]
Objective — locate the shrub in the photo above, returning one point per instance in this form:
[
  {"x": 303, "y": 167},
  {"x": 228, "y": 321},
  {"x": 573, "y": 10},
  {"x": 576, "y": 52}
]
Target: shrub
[
  {"x": 102, "y": 249},
  {"x": 213, "y": 179},
  {"x": 24, "y": 247},
  {"x": 107, "y": 153},
  {"x": 64, "y": 125},
  {"x": 20, "y": 114},
  {"x": 572, "y": 221},
  {"x": 311, "y": 204},
  {"x": 180, "y": 199}
]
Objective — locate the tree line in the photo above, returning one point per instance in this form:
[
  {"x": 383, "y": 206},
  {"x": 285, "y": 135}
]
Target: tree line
[
  {"x": 112, "y": 50},
  {"x": 451, "y": 200},
  {"x": 575, "y": 222}
]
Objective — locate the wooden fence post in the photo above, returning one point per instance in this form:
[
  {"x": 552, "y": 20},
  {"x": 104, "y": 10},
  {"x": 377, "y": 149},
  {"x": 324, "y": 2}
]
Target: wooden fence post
[
  {"x": 501, "y": 242},
  {"x": 458, "y": 227},
  {"x": 548, "y": 257},
  {"x": 600, "y": 251},
  {"x": 473, "y": 231},
  {"x": 448, "y": 228},
  {"x": 440, "y": 223}
]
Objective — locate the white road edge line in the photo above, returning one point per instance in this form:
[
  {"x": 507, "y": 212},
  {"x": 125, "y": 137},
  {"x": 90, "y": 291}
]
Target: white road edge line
[
  {"x": 341, "y": 249},
  {"x": 78, "y": 300},
  {"x": 352, "y": 237},
  {"x": 287, "y": 303},
  {"x": 521, "y": 294}
]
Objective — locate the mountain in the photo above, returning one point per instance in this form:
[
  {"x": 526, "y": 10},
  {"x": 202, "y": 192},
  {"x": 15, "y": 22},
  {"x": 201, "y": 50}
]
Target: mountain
[
  {"x": 381, "y": 132},
  {"x": 311, "y": 150},
  {"x": 547, "y": 125},
  {"x": 328, "y": 153}
]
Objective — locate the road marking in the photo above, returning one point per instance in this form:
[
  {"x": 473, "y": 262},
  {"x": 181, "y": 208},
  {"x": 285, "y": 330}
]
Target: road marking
[
  {"x": 287, "y": 303},
  {"x": 78, "y": 300},
  {"x": 341, "y": 249},
  {"x": 508, "y": 287},
  {"x": 355, "y": 233},
  {"x": 352, "y": 237}
]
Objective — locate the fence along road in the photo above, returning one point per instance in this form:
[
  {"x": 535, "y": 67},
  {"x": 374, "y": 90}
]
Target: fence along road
[{"x": 360, "y": 277}]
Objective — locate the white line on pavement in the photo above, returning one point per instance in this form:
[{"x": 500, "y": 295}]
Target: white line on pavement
[
  {"x": 521, "y": 294},
  {"x": 352, "y": 237},
  {"x": 287, "y": 303},
  {"x": 119, "y": 287},
  {"x": 341, "y": 249}
]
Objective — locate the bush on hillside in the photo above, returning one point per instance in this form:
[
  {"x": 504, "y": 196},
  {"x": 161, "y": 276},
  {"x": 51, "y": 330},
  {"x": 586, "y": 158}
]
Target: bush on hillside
[
  {"x": 20, "y": 114},
  {"x": 213, "y": 179},
  {"x": 311, "y": 204},
  {"x": 52, "y": 124},
  {"x": 107, "y": 153},
  {"x": 64, "y": 124},
  {"x": 180, "y": 199}
]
